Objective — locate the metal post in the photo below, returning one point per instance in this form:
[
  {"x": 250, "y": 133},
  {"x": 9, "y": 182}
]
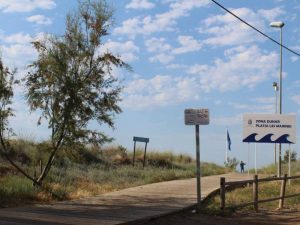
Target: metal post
[
  {"x": 198, "y": 169},
  {"x": 290, "y": 164},
  {"x": 280, "y": 101},
  {"x": 144, "y": 162},
  {"x": 133, "y": 154},
  {"x": 276, "y": 107},
  {"x": 255, "y": 158},
  {"x": 226, "y": 148}
]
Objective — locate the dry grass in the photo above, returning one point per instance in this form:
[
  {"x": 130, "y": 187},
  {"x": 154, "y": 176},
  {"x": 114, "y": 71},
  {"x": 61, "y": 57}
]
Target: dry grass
[{"x": 266, "y": 190}]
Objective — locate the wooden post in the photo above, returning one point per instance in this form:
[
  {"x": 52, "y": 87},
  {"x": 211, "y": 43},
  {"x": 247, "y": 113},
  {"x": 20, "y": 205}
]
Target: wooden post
[
  {"x": 144, "y": 162},
  {"x": 282, "y": 191},
  {"x": 222, "y": 193},
  {"x": 255, "y": 192},
  {"x": 133, "y": 154}
]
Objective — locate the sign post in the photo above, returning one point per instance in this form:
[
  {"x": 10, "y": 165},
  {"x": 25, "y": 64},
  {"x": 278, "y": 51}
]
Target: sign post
[
  {"x": 270, "y": 128},
  {"x": 197, "y": 117},
  {"x": 198, "y": 167},
  {"x": 140, "y": 139}
]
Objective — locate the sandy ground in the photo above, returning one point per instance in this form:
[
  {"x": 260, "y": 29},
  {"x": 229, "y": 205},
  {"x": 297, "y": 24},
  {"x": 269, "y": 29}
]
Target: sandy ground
[{"x": 284, "y": 217}]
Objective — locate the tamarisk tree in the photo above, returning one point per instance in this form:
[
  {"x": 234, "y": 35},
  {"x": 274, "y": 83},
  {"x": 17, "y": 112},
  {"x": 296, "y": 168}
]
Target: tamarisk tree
[
  {"x": 71, "y": 82},
  {"x": 6, "y": 94}
]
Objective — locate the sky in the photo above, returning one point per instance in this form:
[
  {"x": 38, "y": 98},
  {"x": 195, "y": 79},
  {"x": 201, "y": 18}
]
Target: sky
[{"x": 184, "y": 54}]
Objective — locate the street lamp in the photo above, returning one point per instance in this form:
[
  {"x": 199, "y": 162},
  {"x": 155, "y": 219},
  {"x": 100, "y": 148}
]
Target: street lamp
[
  {"x": 279, "y": 24},
  {"x": 276, "y": 88}
]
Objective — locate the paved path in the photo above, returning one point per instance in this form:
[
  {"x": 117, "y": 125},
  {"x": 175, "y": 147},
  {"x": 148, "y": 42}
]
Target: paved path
[{"x": 116, "y": 207}]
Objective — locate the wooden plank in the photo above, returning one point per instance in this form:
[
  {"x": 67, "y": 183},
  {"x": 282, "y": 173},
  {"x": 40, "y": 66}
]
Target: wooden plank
[
  {"x": 234, "y": 183},
  {"x": 268, "y": 200},
  {"x": 291, "y": 196}
]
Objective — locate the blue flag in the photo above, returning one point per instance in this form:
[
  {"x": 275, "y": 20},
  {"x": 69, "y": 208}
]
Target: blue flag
[{"x": 228, "y": 141}]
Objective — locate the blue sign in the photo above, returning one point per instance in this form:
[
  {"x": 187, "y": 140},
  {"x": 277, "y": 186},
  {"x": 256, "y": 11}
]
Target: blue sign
[
  {"x": 269, "y": 128},
  {"x": 141, "y": 139}
]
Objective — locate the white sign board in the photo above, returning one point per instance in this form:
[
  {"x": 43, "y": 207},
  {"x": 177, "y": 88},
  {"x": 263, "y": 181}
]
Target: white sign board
[
  {"x": 269, "y": 128},
  {"x": 196, "y": 117}
]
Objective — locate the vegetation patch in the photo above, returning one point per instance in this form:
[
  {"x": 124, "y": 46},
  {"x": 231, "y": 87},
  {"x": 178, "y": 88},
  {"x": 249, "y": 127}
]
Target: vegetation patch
[
  {"x": 83, "y": 171},
  {"x": 266, "y": 190}
]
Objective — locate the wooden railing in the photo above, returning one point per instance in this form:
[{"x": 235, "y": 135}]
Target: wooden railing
[{"x": 226, "y": 186}]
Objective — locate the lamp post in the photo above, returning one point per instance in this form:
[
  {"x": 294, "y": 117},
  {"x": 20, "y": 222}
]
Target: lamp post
[
  {"x": 276, "y": 88},
  {"x": 279, "y": 24}
]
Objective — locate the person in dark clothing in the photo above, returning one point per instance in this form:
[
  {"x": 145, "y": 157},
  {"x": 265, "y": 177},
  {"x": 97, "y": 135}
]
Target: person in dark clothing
[{"x": 242, "y": 165}]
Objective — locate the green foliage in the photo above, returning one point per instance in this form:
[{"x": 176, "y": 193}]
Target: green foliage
[
  {"x": 16, "y": 189},
  {"x": 6, "y": 94},
  {"x": 208, "y": 169},
  {"x": 72, "y": 83},
  {"x": 88, "y": 170},
  {"x": 272, "y": 169},
  {"x": 286, "y": 156},
  {"x": 231, "y": 163}
]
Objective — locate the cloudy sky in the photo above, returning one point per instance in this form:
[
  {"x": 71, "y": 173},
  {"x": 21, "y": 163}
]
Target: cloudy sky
[{"x": 184, "y": 54}]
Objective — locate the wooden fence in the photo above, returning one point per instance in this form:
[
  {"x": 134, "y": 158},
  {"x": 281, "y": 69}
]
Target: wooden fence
[{"x": 225, "y": 186}]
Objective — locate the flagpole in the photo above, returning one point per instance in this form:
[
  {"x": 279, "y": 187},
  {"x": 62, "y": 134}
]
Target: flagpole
[
  {"x": 289, "y": 163},
  {"x": 226, "y": 147}
]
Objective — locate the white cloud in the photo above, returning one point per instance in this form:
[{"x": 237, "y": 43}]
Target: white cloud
[
  {"x": 161, "y": 50},
  {"x": 163, "y": 58},
  {"x": 268, "y": 107},
  {"x": 188, "y": 44},
  {"x": 16, "y": 50},
  {"x": 17, "y": 38},
  {"x": 158, "y": 91},
  {"x": 176, "y": 66},
  {"x": 266, "y": 100},
  {"x": 25, "y": 5},
  {"x": 160, "y": 22},
  {"x": 271, "y": 14},
  {"x": 39, "y": 19},
  {"x": 296, "y": 99},
  {"x": 17, "y": 55},
  {"x": 157, "y": 44},
  {"x": 242, "y": 67},
  {"x": 140, "y": 4},
  {"x": 198, "y": 69},
  {"x": 227, "y": 121},
  {"x": 245, "y": 67},
  {"x": 165, "y": 53},
  {"x": 126, "y": 50},
  {"x": 227, "y": 30},
  {"x": 294, "y": 58}
]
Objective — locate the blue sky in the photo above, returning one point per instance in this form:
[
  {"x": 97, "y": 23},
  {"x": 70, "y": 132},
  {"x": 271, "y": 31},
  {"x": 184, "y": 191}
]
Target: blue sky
[{"x": 184, "y": 54}]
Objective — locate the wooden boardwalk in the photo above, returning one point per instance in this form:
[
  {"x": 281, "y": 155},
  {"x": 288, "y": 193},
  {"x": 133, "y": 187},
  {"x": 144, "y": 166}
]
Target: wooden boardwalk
[{"x": 117, "y": 207}]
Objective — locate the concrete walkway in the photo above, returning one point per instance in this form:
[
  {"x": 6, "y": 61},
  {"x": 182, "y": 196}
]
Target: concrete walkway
[{"x": 116, "y": 207}]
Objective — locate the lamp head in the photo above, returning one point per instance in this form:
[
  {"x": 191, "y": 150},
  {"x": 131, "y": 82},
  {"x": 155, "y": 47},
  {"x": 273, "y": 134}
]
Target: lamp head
[
  {"x": 275, "y": 85},
  {"x": 278, "y": 24}
]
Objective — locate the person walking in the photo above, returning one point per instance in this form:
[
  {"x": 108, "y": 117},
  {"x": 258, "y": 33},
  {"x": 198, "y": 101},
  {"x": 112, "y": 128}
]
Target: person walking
[{"x": 242, "y": 165}]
